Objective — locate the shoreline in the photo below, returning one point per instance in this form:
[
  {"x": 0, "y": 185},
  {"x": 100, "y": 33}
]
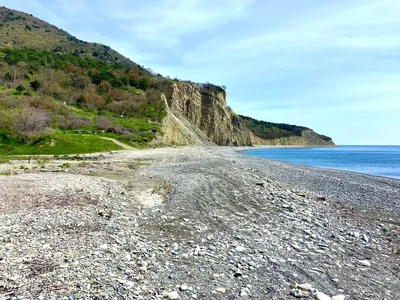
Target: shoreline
[
  {"x": 199, "y": 222},
  {"x": 316, "y": 167}
]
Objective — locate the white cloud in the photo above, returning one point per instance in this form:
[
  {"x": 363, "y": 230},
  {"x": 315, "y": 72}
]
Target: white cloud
[{"x": 168, "y": 21}]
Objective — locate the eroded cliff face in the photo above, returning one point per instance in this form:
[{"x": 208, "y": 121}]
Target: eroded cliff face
[{"x": 200, "y": 116}]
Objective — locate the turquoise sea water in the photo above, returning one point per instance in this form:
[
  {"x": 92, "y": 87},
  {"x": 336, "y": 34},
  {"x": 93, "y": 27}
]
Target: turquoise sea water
[{"x": 374, "y": 160}]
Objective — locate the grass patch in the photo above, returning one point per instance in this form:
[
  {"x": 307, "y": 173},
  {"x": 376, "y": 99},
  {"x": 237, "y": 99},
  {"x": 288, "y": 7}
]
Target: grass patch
[
  {"x": 65, "y": 165},
  {"x": 7, "y": 173},
  {"x": 4, "y": 160},
  {"x": 58, "y": 144}
]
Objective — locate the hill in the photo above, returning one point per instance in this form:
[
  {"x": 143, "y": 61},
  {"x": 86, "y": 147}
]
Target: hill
[
  {"x": 284, "y": 134},
  {"x": 21, "y": 30},
  {"x": 55, "y": 89}
]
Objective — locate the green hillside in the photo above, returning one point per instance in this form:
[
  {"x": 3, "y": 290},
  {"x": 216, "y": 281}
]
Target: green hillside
[
  {"x": 270, "y": 131},
  {"x": 21, "y": 30},
  {"x": 56, "y": 90},
  {"x": 52, "y": 84}
]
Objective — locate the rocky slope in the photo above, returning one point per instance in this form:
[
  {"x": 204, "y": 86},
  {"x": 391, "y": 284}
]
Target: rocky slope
[{"x": 199, "y": 115}]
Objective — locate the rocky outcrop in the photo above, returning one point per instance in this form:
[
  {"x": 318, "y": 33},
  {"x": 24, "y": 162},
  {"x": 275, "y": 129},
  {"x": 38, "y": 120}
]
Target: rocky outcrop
[
  {"x": 307, "y": 138},
  {"x": 199, "y": 115}
]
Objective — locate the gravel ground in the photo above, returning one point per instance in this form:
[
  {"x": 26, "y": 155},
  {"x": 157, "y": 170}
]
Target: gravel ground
[{"x": 195, "y": 223}]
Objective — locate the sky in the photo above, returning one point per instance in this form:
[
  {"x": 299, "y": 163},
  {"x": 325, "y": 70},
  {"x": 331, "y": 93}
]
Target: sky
[{"x": 333, "y": 66}]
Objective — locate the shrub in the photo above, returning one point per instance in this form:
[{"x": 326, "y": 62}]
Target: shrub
[
  {"x": 35, "y": 85},
  {"x": 8, "y": 77},
  {"x": 108, "y": 126},
  {"x": 92, "y": 101},
  {"x": 44, "y": 103},
  {"x": 103, "y": 88},
  {"x": 143, "y": 84},
  {"x": 5, "y": 119},
  {"x": 78, "y": 81},
  {"x": 20, "y": 88},
  {"x": 49, "y": 80},
  {"x": 125, "y": 108},
  {"x": 73, "y": 122},
  {"x": 29, "y": 122},
  {"x": 28, "y": 76},
  {"x": 118, "y": 95}
]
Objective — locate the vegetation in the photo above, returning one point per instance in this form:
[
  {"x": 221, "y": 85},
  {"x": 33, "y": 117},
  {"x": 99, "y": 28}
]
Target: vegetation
[
  {"x": 20, "y": 30},
  {"x": 60, "y": 95},
  {"x": 57, "y": 143},
  {"x": 43, "y": 93},
  {"x": 268, "y": 130}
]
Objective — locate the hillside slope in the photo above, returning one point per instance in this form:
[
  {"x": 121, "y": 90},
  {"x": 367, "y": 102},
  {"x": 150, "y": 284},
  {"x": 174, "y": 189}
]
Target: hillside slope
[
  {"x": 268, "y": 133},
  {"x": 73, "y": 87},
  {"x": 21, "y": 30}
]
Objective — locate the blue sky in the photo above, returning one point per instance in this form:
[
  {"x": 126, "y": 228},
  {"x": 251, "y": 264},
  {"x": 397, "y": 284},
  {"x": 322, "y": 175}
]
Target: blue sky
[{"x": 331, "y": 65}]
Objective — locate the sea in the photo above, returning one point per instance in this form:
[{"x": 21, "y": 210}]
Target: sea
[{"x": 373, "y": 160}]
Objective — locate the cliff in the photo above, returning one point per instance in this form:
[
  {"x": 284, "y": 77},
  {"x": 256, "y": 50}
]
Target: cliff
[
  {"x": 307, "y": 138},
  {"x": 268, "y": 133},
  {"x": 199, "y": 115}
]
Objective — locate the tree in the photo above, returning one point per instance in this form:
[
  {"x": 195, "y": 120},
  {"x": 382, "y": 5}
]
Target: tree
[
  {"x": 143, "y": 84},
  {"x": 29, "y": 122},
  {"x": 78, "y": 81},
  {"x": 66, "y": 112},
  {"x": 103, "y": 88}
]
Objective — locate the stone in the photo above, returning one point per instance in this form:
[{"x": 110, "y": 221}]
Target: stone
[
  {"x": 305, "y": 286},
  {"x": 299, "y": 293},
  {"x": 240, "y": 249},
  {"x": 173, "y": 295},
  {"x": 220, "y": 290},
  {"x": 184, "y": 287},
  {"x": 238, "y": 273},
  {"x": 339, "y": 297},
  {"x": 365, "y": 263},
  {"x": 212, "y": 248},
  {"x": 365, "y": 238},
  {"x": 322, "y": 296},
  {"x": 244, "y": 294}
]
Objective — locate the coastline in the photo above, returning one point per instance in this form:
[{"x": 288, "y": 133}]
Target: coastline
[
  {"x": 204, "y": 221},
  {"x": 317, "y": 166}
]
